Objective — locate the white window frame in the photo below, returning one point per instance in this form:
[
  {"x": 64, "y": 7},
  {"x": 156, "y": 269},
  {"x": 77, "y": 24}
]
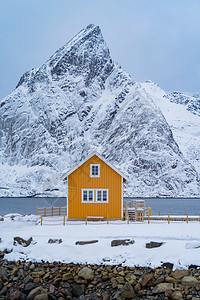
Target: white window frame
[
  {"x": 93, "y": 193},
  {"x": 95, "y": 165},
  {"x": 107, "y": 190}
]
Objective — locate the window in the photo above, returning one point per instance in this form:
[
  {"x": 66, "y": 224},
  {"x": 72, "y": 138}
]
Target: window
[
  {"x": 87, "y": 195},
  {"x": 94, "y": 195},
  {"x": 95, "y": 170},
  {"x": 102, "y": 195}
]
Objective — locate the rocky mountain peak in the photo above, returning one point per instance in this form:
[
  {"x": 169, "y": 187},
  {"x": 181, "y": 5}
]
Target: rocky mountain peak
[
  {"x": 78, "y": 101},
  {"x": 85, "y": 55}
]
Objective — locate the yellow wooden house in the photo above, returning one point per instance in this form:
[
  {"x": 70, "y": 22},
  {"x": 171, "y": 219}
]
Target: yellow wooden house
[{"x": 94, "y": 189}]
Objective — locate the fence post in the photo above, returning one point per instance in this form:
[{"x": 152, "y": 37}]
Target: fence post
[
  {"x": 187, "y": 218},
  {"x": 107, "y": 219},
  {"x": 64, "y": 220},
  {"x": 36, "y": 211},
  {"x": 148, "y": 219},
  {"x": 159, "y": 213},
  {"x": 41, "y": 221},
  {"x": 59, "y": 210},
  {"x": 168, "y": 219},
  {"x": 128, "y": 219},
  {"x": 45, "y": 211},
  {"x": 52, "y": 211},
  {"x": 86, "y": 220}
]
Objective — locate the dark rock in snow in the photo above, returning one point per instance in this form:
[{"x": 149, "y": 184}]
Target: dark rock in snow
[
  {"x": 153, "y": 245},
  {"x": 125, "y": 242},
  {"x": 20, "y": 241}
]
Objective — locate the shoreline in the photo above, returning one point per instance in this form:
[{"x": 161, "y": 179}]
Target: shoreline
[{"x": 43, "y": 280}]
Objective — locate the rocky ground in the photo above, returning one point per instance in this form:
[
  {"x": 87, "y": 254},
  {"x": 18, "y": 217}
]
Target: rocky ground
[{"x": 41, "y": 281}]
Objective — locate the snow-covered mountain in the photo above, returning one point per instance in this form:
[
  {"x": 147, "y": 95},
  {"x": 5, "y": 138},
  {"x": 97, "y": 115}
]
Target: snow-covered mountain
[
  {"x": 182, "y": 114},
  {"x": 80, "y": 101}
]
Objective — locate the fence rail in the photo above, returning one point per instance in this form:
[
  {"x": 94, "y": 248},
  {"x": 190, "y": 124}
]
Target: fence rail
[{"x": 51, "y": 211}]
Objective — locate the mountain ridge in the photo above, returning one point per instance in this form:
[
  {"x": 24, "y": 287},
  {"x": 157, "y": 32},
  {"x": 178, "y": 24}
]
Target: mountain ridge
[{"x": 79, "y": 101}]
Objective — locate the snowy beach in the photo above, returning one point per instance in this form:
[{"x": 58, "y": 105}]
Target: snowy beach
[{"x": 181, "y": 241}]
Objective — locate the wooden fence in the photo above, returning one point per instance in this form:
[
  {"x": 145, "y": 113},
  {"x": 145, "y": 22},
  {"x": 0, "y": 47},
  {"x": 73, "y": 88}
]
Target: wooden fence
[
  {"x": 172, "y": 218},
  {"x": 51, "y": 211}
]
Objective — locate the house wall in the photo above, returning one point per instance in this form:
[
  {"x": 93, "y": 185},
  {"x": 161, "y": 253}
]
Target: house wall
[{"x": 80, "y": 179}]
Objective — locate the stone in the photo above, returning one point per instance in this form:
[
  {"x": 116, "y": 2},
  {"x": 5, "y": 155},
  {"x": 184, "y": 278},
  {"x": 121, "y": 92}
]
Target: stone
[
  {"x": 15, "y": 295},
  {"x": 14, "y": 271},
  {"x": 153, "y": 245},
  {"x": 55, "y": 241},
  {"x": 146, "y": 279},
  {"x": 176, "y": 295},
  {"x": 1, "y": 219},
  {"x": 1, "y": 254},
  {"x": 120, "y": 279},
  {"x": 77, "y": 290},
  {"x": 86, "y": 273},
  {"x": 170, "y": 279},
  {"x": 36, "y": 291},
  {"x": 86, "y": 242},
  {"x": 168, "y": 293},
  {"x": 67, "y": 276},
  {"x": 130, "y": 277},
  {"x": 20, "y": 241},
  {"x": 30, "y": 286},
  {"x": 137, "y": 287},
  {"x": 178, "y": 274},
  {"x": 124, "y": 242},
  {"x": 43, "y": 296},
  {"x": 162, "y": 287},
  {"x": 127, "y": 291},
  {"x": 189, "y": 281},
  {"x": 167, "y": 265}
]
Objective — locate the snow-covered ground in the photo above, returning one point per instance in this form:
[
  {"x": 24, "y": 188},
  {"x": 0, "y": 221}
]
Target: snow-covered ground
[{"x": 181, "y": 241}]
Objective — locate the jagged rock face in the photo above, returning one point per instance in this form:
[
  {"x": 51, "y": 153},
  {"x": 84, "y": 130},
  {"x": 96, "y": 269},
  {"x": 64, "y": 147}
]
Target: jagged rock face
[
  {"x": 192, "y": 103},
  {"x": 80, "y": 101}
]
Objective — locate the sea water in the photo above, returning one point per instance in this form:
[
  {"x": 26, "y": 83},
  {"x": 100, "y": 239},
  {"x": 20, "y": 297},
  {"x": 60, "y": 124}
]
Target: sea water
[{"x": 164, "y": 206}]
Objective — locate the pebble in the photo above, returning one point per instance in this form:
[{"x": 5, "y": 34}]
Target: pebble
[{"x": 41, "y": 281}]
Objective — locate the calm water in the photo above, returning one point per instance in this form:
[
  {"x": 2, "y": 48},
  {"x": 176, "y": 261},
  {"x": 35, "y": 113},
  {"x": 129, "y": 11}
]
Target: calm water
[
  {"x": 172, "y": 206},
  {"x": 164, "y": 206},
  {"x": 27, "y": 206}
]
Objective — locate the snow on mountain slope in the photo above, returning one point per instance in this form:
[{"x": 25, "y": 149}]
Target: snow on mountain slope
[
  {"x": 182, "y": 117},
  {"x": 80, "y": 101}
]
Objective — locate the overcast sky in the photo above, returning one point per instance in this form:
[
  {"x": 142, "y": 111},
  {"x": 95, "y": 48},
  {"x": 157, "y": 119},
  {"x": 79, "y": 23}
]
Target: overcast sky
[{"x": 156, "y": 40}]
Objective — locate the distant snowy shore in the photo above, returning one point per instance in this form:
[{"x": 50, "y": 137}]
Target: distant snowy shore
[{"x": 181, "y": 241}]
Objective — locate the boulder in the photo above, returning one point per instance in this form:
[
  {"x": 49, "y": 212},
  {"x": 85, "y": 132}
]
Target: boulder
[
  {"x": 55, "y": 241},
  {"x": 86, "y": 273},
  {"x": 125, "y": 242},
  {"x": 189, "y": 281},
  {"x": 20, "y": 241},
  {"x": 127, "y": 291},
  {"x": 86, "y": 242},
  {"x": 1, "y": 219},
  {"x": 178, "y": 274},
  {"x": 153, "y": 245},
  {"x": 162, "y": 287},
  {"x": 170, "y": 279},
  {"x": 36, "y": 291}
]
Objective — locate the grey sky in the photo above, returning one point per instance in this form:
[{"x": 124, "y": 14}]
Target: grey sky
[{"x": 151, "y": 39}]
